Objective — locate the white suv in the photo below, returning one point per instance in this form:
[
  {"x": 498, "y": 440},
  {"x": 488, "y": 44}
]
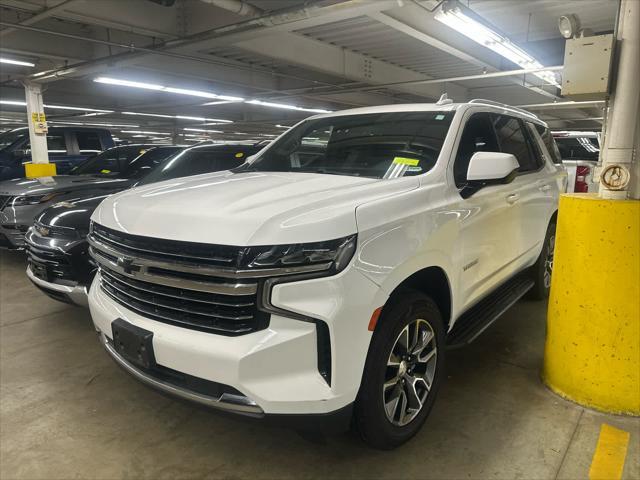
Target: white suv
[{"x": 325, "y": 278}]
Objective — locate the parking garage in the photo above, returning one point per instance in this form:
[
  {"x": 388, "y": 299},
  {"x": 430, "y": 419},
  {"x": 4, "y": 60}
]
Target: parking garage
[{"x": 319, "y": 239}]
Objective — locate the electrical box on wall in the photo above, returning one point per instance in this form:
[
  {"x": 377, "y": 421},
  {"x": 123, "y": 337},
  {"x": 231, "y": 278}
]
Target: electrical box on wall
[{"x": 587, "y": 67}]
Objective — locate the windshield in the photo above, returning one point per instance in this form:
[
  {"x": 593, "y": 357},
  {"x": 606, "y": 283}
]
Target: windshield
[
  {"x": 203, "y": 159},
  {"x": 578, "y": 148},
  {"x": 111, "y": 162},
  {"x": 381, "y": 145},
  {"x": 9, "y": 138},
  {"x": 148, "y": 161}
]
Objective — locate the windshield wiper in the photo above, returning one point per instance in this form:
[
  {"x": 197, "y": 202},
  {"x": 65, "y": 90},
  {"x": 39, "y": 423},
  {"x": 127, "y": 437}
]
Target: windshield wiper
[{"x": 327, "y": 171}]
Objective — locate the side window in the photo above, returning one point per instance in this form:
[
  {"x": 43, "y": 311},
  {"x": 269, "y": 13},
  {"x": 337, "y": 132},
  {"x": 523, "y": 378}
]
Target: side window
[
  {"x": 477, "y": 136},
  {"x": 56, "y": 143},
  {"x": 88, "y": 142},
  {"x": 513, "y": 140},
  {"x": 550, "y": 143}
]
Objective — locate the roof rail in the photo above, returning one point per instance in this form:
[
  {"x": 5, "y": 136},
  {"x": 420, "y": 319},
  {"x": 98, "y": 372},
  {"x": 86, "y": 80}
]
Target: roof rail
[{"x": 504, "y": 105}]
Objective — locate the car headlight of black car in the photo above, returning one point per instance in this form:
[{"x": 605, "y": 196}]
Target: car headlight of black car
[{"x": 23, "y": 200}]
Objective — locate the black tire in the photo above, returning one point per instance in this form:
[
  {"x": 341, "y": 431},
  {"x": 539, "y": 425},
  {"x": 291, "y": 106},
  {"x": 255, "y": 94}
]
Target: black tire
[
  {"x": 541, "y": 270},
  {"x": 409, "y": 308}
]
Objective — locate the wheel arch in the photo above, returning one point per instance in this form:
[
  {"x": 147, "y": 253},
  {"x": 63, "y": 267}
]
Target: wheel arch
[{"x": 434, "y": 282}]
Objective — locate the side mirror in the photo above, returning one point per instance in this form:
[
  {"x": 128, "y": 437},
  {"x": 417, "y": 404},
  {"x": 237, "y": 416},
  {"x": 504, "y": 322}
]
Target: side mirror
[{"x": 492, "y": 168}]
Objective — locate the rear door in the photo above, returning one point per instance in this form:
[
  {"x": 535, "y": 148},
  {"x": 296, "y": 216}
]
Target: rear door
[{"x": 530, "y": 190}]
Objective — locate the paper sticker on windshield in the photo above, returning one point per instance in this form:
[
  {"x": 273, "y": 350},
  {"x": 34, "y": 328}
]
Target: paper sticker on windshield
[
  {"x": 141, "y": 151},
  {"x": 412, "y": 162},
  {"x": 105, "y": 171},
  {"x": 239, "y": 155}
]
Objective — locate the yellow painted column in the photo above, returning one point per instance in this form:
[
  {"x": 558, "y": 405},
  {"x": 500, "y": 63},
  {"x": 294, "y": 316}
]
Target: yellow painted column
[{"x": 592, "y": 351}]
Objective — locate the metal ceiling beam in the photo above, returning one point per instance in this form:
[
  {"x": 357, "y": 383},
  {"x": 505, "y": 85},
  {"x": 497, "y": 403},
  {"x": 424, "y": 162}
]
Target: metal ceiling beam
[
  {"x": 41, "y": 15},
  {"x": 445, "y": 47}
]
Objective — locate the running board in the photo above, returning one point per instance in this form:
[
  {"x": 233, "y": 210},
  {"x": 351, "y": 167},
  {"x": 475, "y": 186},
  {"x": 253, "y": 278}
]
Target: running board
[{"x": 479, "y": 317}]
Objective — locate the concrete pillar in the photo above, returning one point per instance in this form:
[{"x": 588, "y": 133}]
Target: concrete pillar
[
  {"x": 39, "y": 166},
  {"x": 620, "y": 174}
]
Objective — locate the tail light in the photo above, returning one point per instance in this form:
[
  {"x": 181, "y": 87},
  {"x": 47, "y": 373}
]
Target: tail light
[{"x": 581, "y": 179}]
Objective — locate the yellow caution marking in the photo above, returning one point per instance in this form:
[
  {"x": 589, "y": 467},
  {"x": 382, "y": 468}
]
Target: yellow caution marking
[
  {"x": 412, "y": 162},
  {"x": 611, "y": 451},
  {"x": 35, "y": 170}
]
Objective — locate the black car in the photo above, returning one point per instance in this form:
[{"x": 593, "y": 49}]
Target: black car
[
  {"x": 59, "y": 263},
  {"x": 115, "y": 169}
]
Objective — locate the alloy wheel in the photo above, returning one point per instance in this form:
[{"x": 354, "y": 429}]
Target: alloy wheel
[
  {"x": 410, "y": 371},
  {"x": 548, "y": 262}
]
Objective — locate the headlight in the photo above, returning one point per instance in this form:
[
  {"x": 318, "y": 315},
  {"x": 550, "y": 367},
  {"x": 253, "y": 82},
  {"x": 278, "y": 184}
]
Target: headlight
[
  {"x": 33, "y": 199},
  {"x": 334, "y": 255}
]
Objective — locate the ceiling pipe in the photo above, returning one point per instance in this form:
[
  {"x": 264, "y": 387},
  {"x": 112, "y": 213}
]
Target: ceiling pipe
[
  {"x": 45, "y": 13},
  {"x": 236, "y": 6}
]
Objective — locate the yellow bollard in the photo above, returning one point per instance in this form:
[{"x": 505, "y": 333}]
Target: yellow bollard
[
  {"x": 592, "y": 351},
  {"x": 34, "y": 170}
]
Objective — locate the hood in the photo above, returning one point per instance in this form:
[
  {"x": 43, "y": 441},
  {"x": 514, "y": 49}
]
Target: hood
[
  {"x": 74, "y": 214},
  {"x": 41, "y": 186},
  {"x": 252, "y": 208}
]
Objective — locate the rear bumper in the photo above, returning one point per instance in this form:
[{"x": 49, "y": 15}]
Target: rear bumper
[{"x": 71, "y": 294}]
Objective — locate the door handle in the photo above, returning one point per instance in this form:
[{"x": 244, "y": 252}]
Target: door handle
[
  {"x": 513, "y": 198},
  {"x": 545, "y": 188}
]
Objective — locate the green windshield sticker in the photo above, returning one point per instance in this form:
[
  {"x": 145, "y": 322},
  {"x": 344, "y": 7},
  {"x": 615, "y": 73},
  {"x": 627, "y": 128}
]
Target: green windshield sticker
[
  {"x": 105, "y": 171},
  {"x": 439, "y": 117},
  {"x": 412, "y": 162}
]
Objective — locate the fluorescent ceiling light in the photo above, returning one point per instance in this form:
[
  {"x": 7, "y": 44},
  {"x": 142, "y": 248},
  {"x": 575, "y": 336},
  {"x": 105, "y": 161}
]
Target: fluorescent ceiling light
[
  {"x": 21, "y": 103},
  {"x": 180, "y": 117},
  {"x": 125, "y": 125},
  {"x": 466, "y": 22},
  {"x": 163, "y": 88},
  {"x": 13, "y": 102},
  {"x": 221, "y": 102},
  {"x": 286, "y": 106},
  {"x": 16, "y": 62},
  {"x": 144, "y": 132},
  {"x": 202, "y": 130},
  {"x": 283, "y": 126},
  {"x": 80, "y": 109}
]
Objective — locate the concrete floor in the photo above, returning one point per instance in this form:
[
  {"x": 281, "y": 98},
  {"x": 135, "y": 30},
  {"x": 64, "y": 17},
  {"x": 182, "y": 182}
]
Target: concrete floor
[{"x": 67, "y": 411}]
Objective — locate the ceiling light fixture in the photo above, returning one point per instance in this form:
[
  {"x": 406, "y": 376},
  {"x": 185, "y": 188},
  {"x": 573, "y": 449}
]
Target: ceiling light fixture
[
  {"x": 283, "y": 126},
  {"x": 16, "y": 62},
  {"x": 21, "y": 103},
  {"x": 286, "y": 106},
  {"x": 143, "y": 132},
  {"x": 125, "y": 125},
  {"x": 179, "y": 117},
  {"x": 468, "y": 23},
  {"x": 202, "y": 130},
  {"x": 164, "y": 88}
]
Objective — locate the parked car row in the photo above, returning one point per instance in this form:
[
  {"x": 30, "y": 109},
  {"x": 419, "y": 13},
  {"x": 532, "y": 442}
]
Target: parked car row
[
  {"x": 68, "y": 147},
  {"x": 320, "y": 282},
  {"x": 59, "y": 208}
]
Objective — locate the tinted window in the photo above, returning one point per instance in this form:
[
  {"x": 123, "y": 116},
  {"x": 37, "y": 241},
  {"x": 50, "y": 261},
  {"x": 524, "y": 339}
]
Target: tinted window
[
  {"x": 550, "y": 143},
  {"x": 56, "y": 143},
  {"x": 477, "y": 136},
  {"x": 370, "y": 145},
  {"x": 199, "y": 160},
  {"x": 109, "y": 162},
  {"x": 513, "y": 140},
  {"x": 9, "y": 138},
  {"x": 581, "y": 148},
  {"x": 88, "y": 142},
  {"x": 149, "y": 160}
]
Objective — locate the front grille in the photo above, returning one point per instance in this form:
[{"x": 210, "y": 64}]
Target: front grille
[
  {"x": 49, "y": 264},
  {"x": 161, "y": 284}
]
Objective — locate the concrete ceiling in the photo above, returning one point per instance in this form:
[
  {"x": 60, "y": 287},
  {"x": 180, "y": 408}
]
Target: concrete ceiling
[{"x": 322, "y": 54}]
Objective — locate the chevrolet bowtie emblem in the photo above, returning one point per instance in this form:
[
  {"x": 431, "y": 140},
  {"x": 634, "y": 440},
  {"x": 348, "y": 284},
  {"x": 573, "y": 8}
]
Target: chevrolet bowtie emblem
[{"x": 127, "y": 265}]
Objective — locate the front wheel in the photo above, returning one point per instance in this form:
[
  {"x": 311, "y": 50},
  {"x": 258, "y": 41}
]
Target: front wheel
[
  {"x": 543, "y": 268},
  {"x": 403, "y": 371}
]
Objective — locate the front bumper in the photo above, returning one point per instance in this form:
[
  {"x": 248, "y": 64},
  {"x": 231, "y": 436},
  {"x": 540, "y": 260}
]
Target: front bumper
[
  {"x": 275, "y": 369},
  {"x": 76, "y": 294}
]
